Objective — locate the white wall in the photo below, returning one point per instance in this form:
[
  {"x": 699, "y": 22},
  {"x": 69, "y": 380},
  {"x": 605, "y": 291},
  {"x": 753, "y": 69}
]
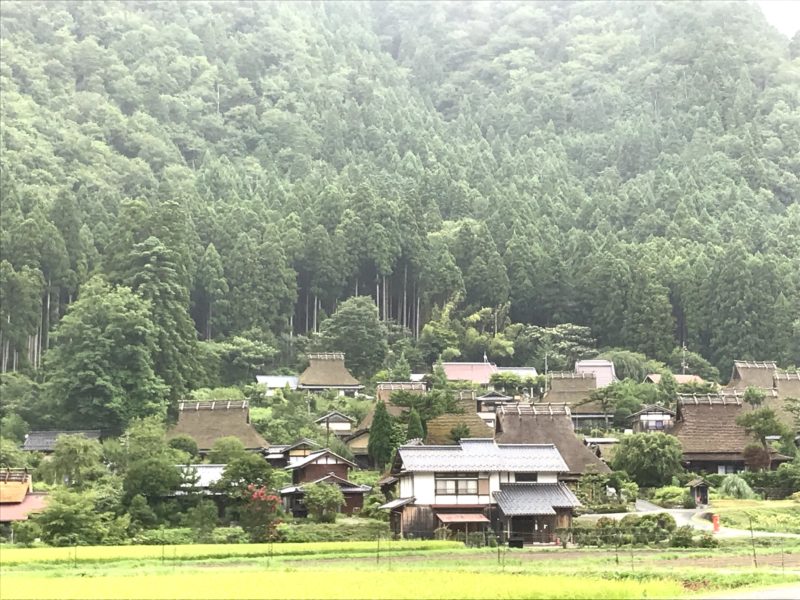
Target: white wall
[{"x": 548, "y": 478}]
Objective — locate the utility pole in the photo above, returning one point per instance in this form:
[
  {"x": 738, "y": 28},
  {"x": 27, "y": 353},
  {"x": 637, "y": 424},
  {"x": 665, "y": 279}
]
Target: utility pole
[{"x": 684, "y": 364}]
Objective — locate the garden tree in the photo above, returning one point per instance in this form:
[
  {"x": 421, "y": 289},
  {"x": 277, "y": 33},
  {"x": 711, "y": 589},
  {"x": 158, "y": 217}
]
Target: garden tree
[
  {"x": 631, "y": 365},
  {"x": 226, "y": 450},
  {"x": 100, "y": 372},
  {"x": 241, "y": 473},
  {"x": 414, "y": 430},
  {"x": 761, "y": 423},
  {"x": 261, "y": 514},
  {"x": 76, "y": 460},
  {"x": 184, "y": 443},
  {"x": 379, "y": 446},
  {"x": 623, "y": 398},
  {"x": 11, "y": 455},
  {"x": 561, "y": 345},
  {"x": 695, "y": 365},
  {"x": 70, "y": 519},
  {"x": 754, "y": 396},
  {"x": 793, "y": 407},
  {"x": 211, "y": 287},
  {"x": 323, "y": 500},
  {"x": 356, "y": 330},
  {"x": 202, "y": 518},
  {"x": 667, "y": 389},
  {"x": 650, "y": 459},
  {"x": 142, "y": 516},
  {"x": 154, "y": 478}
]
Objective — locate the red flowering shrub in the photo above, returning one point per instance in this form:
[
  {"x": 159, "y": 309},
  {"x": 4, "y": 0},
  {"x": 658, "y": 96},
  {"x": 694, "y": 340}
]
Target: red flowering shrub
[{"x": 261, "y": 514}]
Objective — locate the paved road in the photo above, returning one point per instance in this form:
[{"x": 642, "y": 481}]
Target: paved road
[{"x": 783, "y": 592}]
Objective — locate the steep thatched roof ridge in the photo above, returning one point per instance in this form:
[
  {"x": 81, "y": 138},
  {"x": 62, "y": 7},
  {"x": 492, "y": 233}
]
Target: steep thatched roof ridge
[
  {"x": 327, "y": 370},
  {"x": 439, "y": 428},
  {"x": 206, "y": 422},
  {"x": 393, "y": 410},
  {"x": 542, "y": 428},
  {"x": 573, "y": 389},
  {"x": 748, "y": 373}
]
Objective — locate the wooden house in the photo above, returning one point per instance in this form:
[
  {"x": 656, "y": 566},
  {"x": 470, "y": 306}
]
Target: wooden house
[
  {"x": 280, "y": 456},
  {"x": 273, "y": 383},
  {"x": 207, "y": 421},
  {"x": 45, "y": 441},
  {"x": 336, "y": 423},
  {"x": 17, "y": 498},
  {"x": 479, "y": 484},
  {"x": 712, "y": 442},
  {"x": 327, "y": 372},
  {"x": 547, "y": 424},
  {"x": 323, "y": 466},
  {"x": 358, "y": 440},
  {"x": 651, "y": 418}
]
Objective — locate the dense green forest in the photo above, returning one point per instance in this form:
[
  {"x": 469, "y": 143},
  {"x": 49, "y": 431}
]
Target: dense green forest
[{"x": 191, "y": 189}]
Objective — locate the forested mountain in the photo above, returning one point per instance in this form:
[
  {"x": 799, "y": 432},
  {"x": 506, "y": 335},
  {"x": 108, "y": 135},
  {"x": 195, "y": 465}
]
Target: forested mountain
[{"x": 244, "y": 167}]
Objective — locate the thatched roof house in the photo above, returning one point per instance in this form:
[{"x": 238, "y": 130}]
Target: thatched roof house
[
  {"x": 532, "y": 424},
  {"x": 207, "y": 421},
  {"x": 327, "y": 371},
  {"x": 711, "y": 440},
  {"x": 385, "y": 389},
  {"x": 680, "y": 378},
  {"x": 574, "y": 390},
  {"x": 747, "y": 373},
  {"x": 439, "y": 429},
  {"x": 787, "y": 385}
]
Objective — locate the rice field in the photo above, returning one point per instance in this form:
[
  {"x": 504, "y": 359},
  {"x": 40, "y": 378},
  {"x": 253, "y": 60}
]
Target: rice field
[
  {"x": 327, "y": 584},
  {"x": 78, "y": 554}
]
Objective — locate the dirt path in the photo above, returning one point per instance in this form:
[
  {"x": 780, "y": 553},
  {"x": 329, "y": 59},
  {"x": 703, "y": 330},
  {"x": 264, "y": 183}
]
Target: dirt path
[{"x": 784, "y": 592}]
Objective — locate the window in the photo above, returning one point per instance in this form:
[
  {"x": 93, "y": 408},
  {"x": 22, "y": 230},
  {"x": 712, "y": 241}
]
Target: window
[
  {"x": 526, "y": 477},
  {"x": 453, "y": 484}
]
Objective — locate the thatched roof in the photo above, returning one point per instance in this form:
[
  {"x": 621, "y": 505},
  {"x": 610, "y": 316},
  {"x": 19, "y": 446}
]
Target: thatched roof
[
  {"x": 208, "y": 421},
  {"x": 327, "y": 370},
  {"x": 393, "y": 410},
  {"x": 440, "y": 427},
  {"x": 573, "y": 389},
  {"x": 787, "y": 385},
  {"x": 385, "y": 389},
  {"x": 680, "y": 378},
  {"x": 748, "y": 373},
  {"x": 706, "y": 427},
  {"x": 531, "y": 425}
]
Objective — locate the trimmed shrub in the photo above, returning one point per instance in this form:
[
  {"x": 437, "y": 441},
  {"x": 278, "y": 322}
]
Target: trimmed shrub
[
  {"x": 344, "y": 530},
  {"x": 682, "y": 537},
  {"x": 734, "y": 486}
]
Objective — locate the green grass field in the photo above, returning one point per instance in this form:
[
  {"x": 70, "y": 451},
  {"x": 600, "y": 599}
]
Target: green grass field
[
  {"x": 402, "y": 570},
  {"x": 778, "y": 516}
]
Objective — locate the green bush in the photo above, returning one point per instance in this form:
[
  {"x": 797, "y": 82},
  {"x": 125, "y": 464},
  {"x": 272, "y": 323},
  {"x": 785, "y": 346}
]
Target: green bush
[
  {"x": 343, "y": 530},
  {"x": 707, "y": 540},
  {"x": 186, "y": 535},
  {"x": 734, "y": 486},
  {"x": 669, "y": 496},
  {"x": 682, "y": 537},
  {"x": 26, "y": 532}
]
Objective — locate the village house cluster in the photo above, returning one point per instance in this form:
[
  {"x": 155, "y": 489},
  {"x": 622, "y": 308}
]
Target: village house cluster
[{"x": 514, "y": 473}]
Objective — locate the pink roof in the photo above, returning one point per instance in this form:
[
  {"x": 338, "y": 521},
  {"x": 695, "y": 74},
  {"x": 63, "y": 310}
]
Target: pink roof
[
  {"x": 19, "y": 511},
  {"x": 477, "y": 372}
]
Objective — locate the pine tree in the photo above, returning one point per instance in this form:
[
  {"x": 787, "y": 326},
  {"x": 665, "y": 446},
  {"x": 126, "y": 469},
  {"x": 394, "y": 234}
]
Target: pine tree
[
  {"x": 379, "y": 447},
  {"x": 415, "y": 430}
]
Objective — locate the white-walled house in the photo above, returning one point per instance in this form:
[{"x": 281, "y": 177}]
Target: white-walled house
[{"x": 513, "y": 488}]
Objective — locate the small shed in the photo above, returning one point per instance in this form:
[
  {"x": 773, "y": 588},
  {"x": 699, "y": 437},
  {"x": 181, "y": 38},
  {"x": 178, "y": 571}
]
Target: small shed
[{"x": 698, "y": 488}]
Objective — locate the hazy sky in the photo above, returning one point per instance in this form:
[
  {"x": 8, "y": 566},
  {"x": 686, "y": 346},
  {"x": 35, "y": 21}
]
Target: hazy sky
[{"x": 784, "y": 15}]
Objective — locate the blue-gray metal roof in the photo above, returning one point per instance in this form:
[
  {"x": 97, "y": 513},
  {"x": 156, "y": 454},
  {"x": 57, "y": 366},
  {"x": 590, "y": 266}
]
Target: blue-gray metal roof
[
  {"x": 478, "y": 454},
  {"x": 518, "y": 499}
]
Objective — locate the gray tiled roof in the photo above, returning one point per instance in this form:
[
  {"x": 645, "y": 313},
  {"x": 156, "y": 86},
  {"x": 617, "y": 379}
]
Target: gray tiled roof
[
  {"x": 483, "y": 455},
  {"x": 45, "y": 441},
  {"x": 534, "y": 498}
]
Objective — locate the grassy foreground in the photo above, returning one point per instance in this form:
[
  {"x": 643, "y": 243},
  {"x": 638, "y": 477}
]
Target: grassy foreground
[
  {"x": 80, "y": 554},
  {"x": 778, "y": 516},
  {"x": 334, "y": 584}
]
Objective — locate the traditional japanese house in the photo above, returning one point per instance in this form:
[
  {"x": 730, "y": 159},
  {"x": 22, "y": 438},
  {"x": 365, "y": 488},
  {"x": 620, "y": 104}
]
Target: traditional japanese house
[
  {"x": 680, "y": 379},
  {"x": 574, "y": 390},
  {"x": 273, "y": 383},
  {"x": 45, "y": 441},
  {"x": 446, "y": 428},
  {"x": 548, "y": 424},
  {"x": 752, "y": 373},
  {"x": 207, "y": 421},
  {"x": 17, "y": 498},
  {"x": 385, "y": 389},
  {"x": 476, "y": 373},
  {"x": 323, "y": 466},
  {"x": 280, "y": 456},
  {"x": 479, "y": 484},
  {"x": 358, "y": 440},
  {"x": 327, "y": 372},
  {"x": 336, "y": 423},
  {"x": 603, "y": 371},
  {"x": 712, "y": 442},
  {"x": 652, "y": 417}
]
